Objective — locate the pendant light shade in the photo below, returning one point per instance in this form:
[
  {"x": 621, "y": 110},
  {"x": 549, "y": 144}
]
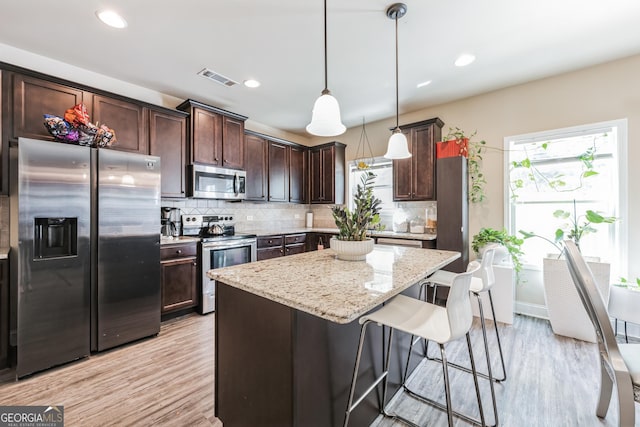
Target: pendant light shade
[
  {"x": 397, "y": 147},
  {"x": 325, "y": 119}
]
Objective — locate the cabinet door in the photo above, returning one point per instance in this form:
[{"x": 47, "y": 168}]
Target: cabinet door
[
  {"x": 315, "y": 173},
  {"x": 179, "y": 288},
  {"x": 328, "y": 174},
  {"x": 232, "y": 143},
  {"x": 255, "y": 160},
  {"x": 403, "y": 173},
  {"x": 423, "y": 146},
  {"x": 278, "y": 172},
  {"x": 4, "y": 145},
  {"x": 127, "y": 119},
  {"x": 32, "y": 98},
  {"x": 168, "y": 140},
  {"x": 206, "y": 137},
  {"x": 297, "y": 175}
]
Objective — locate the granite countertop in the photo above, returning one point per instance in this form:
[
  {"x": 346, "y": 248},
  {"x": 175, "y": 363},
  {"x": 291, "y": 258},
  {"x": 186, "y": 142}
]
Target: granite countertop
[
  {"x": 4, "y": 252},
  {"x": 339, "y": 291},
  {"x": 180, "y": 239},
  {"x": 294, "y": 230}
]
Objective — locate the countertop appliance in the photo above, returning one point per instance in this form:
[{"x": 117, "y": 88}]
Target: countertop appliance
[
  {"x": 210, "y": 182},
  {"x": 85, "y": 251},
  {"x": 220, "y": 247}
]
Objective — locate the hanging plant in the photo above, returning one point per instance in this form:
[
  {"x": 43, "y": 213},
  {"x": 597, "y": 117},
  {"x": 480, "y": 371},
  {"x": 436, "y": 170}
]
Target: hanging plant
[{"x": 456, "y": 143}]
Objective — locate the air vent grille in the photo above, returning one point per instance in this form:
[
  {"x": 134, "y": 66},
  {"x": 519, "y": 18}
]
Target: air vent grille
[{"x": 216, "y": 77}]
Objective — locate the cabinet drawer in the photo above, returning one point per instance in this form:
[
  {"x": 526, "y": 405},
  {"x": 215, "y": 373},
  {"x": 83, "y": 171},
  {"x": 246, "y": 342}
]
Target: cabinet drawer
[
  {"x": 270, "y": 241},
  {"x": 268, "y": 253},
  {"x": 294, "y": 249},
  {"x": 295, "y": 238},
  {"x": 178, "y": 251}
]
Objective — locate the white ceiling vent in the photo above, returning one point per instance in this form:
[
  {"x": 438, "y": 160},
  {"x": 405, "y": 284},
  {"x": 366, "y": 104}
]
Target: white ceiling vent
[{"x": 218, "y": 78}]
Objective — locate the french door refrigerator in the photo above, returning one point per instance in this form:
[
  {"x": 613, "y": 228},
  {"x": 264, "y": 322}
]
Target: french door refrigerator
[{"x": 85, "y": 251}]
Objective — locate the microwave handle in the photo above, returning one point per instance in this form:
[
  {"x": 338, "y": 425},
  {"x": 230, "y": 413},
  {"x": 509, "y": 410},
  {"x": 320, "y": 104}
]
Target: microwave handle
[{"x": 235, "y": 184}]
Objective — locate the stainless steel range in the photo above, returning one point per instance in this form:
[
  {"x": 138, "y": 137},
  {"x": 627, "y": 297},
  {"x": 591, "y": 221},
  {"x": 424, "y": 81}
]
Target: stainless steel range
[{"x": 220, "y": 247}]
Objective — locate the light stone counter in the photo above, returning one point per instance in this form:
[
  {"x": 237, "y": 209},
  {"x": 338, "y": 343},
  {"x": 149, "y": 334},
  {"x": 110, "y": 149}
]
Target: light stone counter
[
  {"x": 339, "y": 291},
  {"x": 4, "y": 253},
  {"x": 180, "y": 239}
]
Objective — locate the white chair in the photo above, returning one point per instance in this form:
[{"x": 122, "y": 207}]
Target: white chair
[
  {"x": 619, "y": 364},
  {"x": 428, "y": 321},
  {"x": 623, "y": 305},
  {"x": 478, "y": 285}
]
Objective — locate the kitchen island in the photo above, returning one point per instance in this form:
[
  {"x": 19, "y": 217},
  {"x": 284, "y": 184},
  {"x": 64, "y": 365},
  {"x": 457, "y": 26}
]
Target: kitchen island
[{"x": 287, "y": 333}]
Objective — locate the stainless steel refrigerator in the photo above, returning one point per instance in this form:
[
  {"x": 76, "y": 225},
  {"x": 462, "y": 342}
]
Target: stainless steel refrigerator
[{"x": 85, "y": 251}]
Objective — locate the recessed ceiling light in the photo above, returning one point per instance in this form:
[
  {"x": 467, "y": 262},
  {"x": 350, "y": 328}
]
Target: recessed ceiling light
[
  {"x": 111, "y": 18},
  {"x": 464, "y": 60},
  {"x": 423, "y": 84},
  {"x": 251, "y": 83}
]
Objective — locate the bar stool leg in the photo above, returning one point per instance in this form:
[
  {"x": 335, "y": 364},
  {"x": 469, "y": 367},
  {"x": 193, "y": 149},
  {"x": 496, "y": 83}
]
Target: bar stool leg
[
  {"x": 626, "y": 337},
  {"x": 475, "y": 381},
  {"x": 447, "y": 387},
  {"x": 486, "y": 353},
  {"x": 352, "y": 390},
  {"x": 495, "y": 325}
]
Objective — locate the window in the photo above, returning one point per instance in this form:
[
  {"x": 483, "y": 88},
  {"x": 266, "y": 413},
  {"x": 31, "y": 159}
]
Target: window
[
  {"x": 573, "y": 170},
  {"x": 382, "y": 188}
]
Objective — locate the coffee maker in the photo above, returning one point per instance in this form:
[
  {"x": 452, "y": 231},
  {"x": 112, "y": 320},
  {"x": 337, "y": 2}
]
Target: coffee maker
[{"x": 169, "y": 219}]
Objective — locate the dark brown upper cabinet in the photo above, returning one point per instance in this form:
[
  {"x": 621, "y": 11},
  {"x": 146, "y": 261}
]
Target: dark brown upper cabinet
[
  {"x": 168, "y": 140},
  {"x": 278, "y": 160},
  {"x": 327, "y": 173},
  {"x": 128, "y": 119},
  {"x": 216, "y": 136},
  {"x": 414, "y": 178},
  {"x": 297, "y": 174},
  {"x": 255, "y": 162},
  {"x": 32, "y": 98}
]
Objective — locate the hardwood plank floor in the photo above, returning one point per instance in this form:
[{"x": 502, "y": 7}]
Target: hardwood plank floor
[{"x": 168, "y": 381}]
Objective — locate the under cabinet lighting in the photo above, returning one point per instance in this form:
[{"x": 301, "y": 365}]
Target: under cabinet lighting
[{"x": 111, "y": 18}]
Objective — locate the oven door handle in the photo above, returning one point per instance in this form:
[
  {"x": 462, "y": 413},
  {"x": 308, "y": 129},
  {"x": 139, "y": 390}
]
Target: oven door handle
[{"x": 229, "y": 244}]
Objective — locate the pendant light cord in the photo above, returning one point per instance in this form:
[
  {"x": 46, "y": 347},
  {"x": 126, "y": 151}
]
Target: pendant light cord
[
  {"x": 397, "y": 101},
  {"x": 326, "y": 85}
]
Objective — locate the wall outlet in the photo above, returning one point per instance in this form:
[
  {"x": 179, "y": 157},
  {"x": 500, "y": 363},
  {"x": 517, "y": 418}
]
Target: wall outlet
[
  {"x": 296, "y": 216},
  {"x": 249, "y": 217}
]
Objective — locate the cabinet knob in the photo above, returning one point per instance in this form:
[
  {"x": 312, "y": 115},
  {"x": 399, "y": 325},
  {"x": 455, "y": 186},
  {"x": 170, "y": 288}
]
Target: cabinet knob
[
  {"x": 270, "y": 241},
  {"x": 225, "y": 161},
  {"x": 281, "y": 251},
  {"x": 215, "y": 158},
  {"x": 179, "y": 251}
]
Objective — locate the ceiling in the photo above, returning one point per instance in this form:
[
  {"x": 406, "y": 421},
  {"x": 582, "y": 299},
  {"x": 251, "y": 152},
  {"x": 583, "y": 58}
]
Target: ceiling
[{"x": 280, "y": 43}]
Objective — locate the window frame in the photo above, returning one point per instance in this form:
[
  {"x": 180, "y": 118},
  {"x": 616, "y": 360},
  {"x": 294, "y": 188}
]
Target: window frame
[{"x": 619, "y": 259}]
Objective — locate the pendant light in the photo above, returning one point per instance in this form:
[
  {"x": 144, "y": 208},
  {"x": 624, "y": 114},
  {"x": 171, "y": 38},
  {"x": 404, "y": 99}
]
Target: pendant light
[
  {"x": 397, "y": 147},
  {"x": 325, "y": 119},
  {"x": 363, "y": 162}
]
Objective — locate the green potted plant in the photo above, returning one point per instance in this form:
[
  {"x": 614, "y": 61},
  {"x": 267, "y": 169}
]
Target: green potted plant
[
  {"x": 566, "y": 313},
  {"x": 456, "y": 143},
  {"x": 352, "y": 242},
  {"x": 512, "y": 244}
]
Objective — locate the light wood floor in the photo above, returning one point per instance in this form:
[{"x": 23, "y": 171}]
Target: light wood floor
[{"x": 168, "y": 380}]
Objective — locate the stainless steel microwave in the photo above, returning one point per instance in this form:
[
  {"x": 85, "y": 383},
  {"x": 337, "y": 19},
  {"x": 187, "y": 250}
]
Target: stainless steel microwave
[{"x": 210, "y": 182}]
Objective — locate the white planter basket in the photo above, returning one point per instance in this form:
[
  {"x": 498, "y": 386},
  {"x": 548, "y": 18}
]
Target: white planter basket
[
  {"x": 566, "y": 312},
  {"x": 352, "y": 250}
]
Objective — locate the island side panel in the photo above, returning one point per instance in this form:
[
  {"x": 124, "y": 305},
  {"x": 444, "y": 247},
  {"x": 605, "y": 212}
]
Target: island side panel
[
  {"x": 324, "y": 357},
  {"x": 253, "y": 360}
]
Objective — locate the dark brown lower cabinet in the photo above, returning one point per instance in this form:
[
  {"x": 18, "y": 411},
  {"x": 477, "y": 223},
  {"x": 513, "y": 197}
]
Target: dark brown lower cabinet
[
  {"x": 281, "y": 245},
  {"x": 179, "y": 276},
  {"x": 4, "y": 313}
]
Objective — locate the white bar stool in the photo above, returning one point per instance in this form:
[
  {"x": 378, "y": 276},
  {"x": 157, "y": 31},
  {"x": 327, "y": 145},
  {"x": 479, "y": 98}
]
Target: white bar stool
[
  {"x": 478, "y": 285},
  {"x": 428, "y": 321}
]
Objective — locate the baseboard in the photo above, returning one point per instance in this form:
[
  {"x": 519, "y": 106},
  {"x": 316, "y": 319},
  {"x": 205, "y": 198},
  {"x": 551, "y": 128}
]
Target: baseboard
[{"x": 533, "y": 310}]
